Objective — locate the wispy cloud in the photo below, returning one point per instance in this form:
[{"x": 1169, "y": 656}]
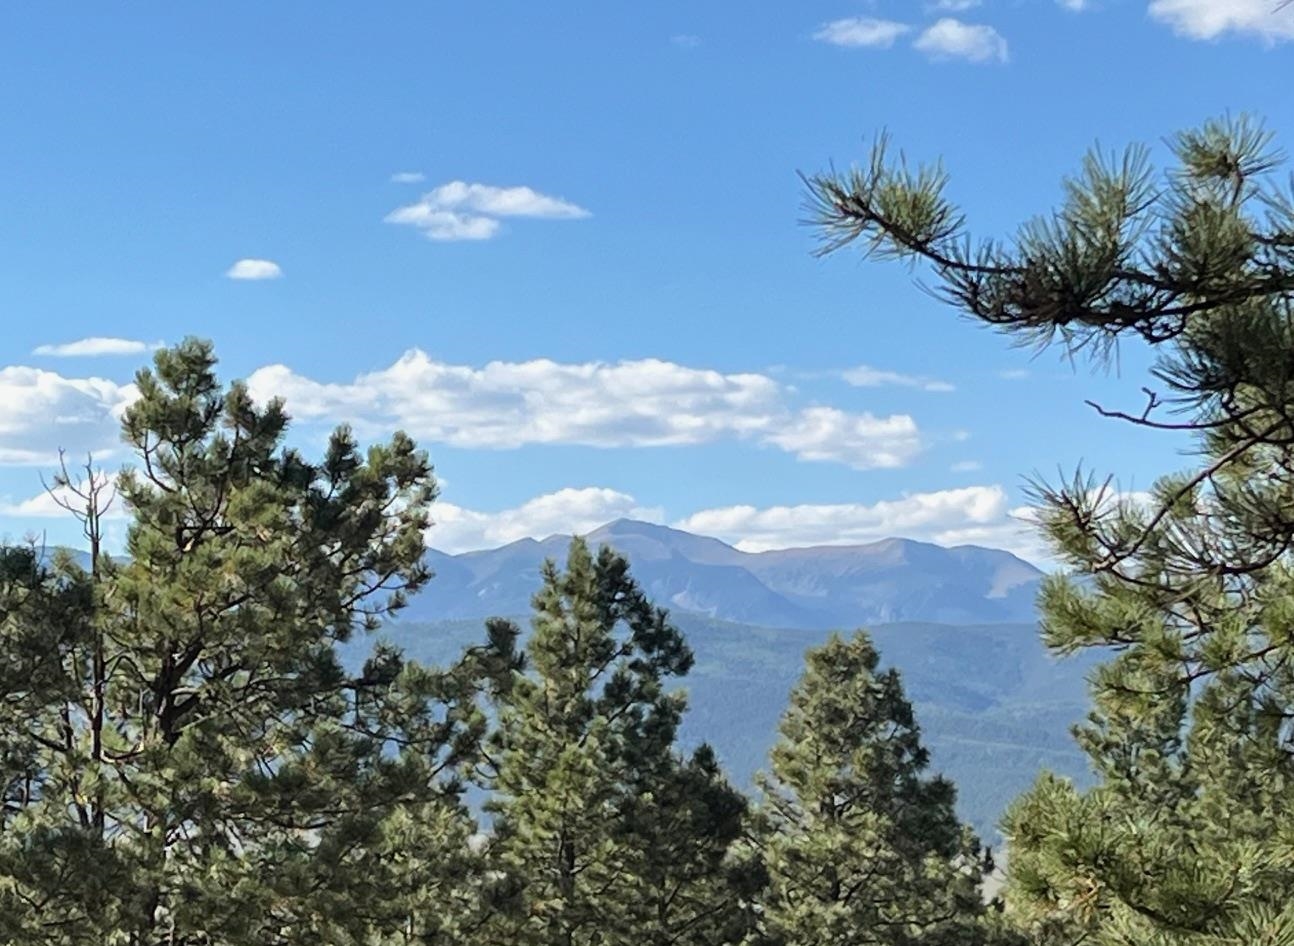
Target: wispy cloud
[
  {"x": 966, "y": 466},
  {"x": 462, "y": 211},
  {"x": 254, "y": 269},
  {"x": 685, "y": 40},
  {"x": 497, "y": 406},
  {"x": 1208, "y": 19},
  {"x": 976, "y": 515},
  {"x": 950, "y": 38},
  {"x": 96, "y": 347},
  {"x": 645, "y": 403},
  {"x": 408, "y": 177},
  {"x": 866, "y": 377},
  {"x": 957, "y": 6},
  {"x": 445, "y": 225},
  {"x": 861, "y": 31},
  {"x": 1077, "y": 6},
  {"x": 971, "y": 515}
]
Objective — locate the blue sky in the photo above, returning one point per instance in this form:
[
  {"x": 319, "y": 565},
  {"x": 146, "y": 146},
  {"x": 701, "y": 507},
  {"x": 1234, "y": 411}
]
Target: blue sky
[{"x": 559, "y": 244}]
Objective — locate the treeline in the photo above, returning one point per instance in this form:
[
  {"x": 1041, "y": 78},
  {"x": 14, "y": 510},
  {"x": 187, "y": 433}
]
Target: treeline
[{"x": 185, "y": 760}]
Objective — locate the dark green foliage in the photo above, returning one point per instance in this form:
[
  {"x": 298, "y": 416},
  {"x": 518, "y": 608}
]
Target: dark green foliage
[
  {"x": 1187, "y": 838},
  {"x": 602, "y": 833},
  {"x": 184, "y": 758},
  {"x": 860, "y": 846}
]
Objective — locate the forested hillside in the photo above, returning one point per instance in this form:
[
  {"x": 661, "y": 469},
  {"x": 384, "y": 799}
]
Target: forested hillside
[{"x": 993, "y": 705}]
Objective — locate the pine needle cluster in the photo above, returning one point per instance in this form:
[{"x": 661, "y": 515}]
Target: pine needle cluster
[{"x": 1189, "y": 589}]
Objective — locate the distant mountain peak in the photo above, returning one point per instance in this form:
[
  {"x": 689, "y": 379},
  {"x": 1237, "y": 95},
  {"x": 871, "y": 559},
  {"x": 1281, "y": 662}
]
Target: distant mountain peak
[
  {"x": 823, "y": 586},
  {"x": 515, "y": 545},
  {"x": 625, "y": 526}
]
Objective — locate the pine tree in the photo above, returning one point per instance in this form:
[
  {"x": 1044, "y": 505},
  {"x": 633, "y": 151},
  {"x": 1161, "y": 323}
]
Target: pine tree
[
  {"x": 602, "y": 834},
  {"x": 859, "y": 845},
  {"x": 1186, "y": 839},
  {"x": 185, "y": 759},
  {"x": 692, "y": 887}
]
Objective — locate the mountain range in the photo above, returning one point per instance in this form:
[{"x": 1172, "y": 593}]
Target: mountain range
[
  {"x": 959, "y": 623},
  {"x": 894, "y": 580}
]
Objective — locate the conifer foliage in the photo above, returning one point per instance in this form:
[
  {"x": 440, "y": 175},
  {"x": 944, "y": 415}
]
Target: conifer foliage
[
  {"x": 185, "y": 760},
  {"x": 860, "y": 846},
  {"x": 603, "y": 834},
  {"x": 1187, "y": 837}
]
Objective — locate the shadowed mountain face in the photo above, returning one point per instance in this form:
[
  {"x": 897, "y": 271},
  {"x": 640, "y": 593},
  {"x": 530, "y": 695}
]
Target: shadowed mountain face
[{"x": 827, "y": 586}]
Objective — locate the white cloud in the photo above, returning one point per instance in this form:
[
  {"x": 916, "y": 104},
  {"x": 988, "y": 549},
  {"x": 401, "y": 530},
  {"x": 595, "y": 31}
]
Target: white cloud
[
  {"x": 1077, "y": 6},
  {"x": 862, "y": 441},
  {"x": 462, "y": 211},
  {"x": 856, "y": 31},
  {"x": 42, "y": 411},
  {"x": 866, "y": 377},
  {"x": 686, "y": 40},
  {"x": 445, "y": 225},
  {"x": 966, "y": 466},
  {"x": 1208, "y": 19},
  {"x": 503, "y": 201},
  {"x": 498, "y": 406},
  {"x": 1014, "y": 374},
  {"x": 408, "y": 177},
  {"x": 251, "y": 269},
  {"x": 957, "y": 6},
  {"x": 645, "y": 403},
  {"x": 950, "y": 38},
  {"x": 97, "y": 346},
  {"x": 566, "y": 511},
  {"x": 972, "y": 515}
]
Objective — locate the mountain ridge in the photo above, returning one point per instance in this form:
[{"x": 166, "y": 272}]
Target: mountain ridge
[{"x": 819, "y": 586}]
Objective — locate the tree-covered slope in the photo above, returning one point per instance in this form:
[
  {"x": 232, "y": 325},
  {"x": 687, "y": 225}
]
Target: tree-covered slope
[{"x": 994, "y": 706}]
